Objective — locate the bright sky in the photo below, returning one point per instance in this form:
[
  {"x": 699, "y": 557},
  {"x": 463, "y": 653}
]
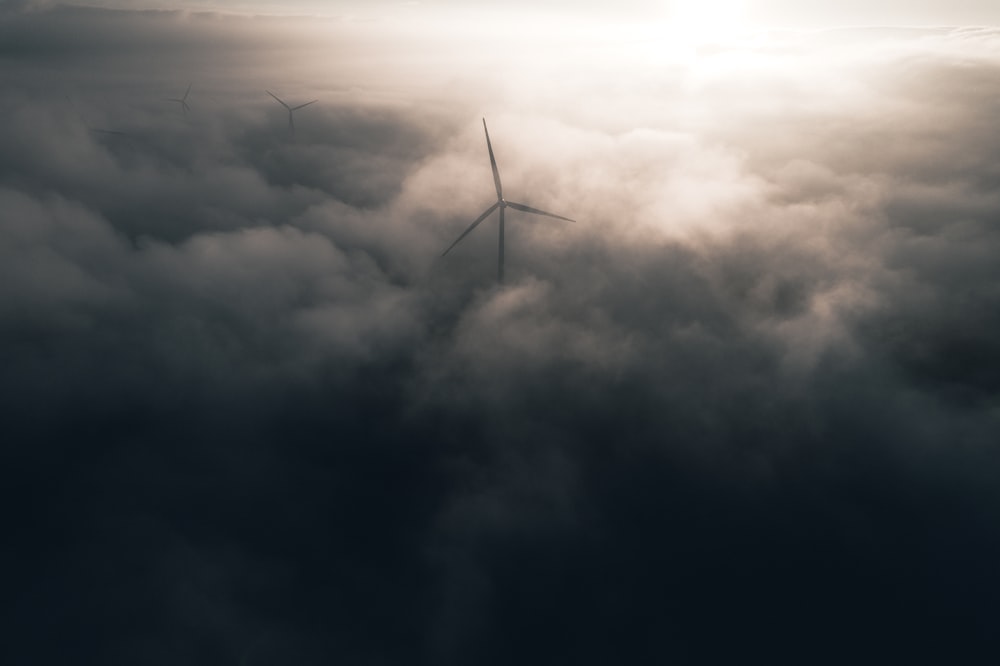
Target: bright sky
[{"x": 795, "y": 13}]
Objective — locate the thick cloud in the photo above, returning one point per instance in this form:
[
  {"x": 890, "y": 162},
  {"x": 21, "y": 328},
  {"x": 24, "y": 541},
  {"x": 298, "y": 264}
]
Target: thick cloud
[{"x": 746, "y": 408}]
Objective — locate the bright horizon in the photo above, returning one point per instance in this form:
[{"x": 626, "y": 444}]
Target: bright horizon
[{"x": 752, "y": 13}]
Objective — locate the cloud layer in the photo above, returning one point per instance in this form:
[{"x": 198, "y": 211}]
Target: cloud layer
[{"x": 746, "y": 406}]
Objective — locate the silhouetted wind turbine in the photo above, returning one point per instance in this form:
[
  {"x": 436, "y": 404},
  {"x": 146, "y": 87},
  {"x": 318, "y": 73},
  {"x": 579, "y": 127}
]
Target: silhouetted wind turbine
[
  {"x": 501, "y": 204},
  {"x": 108, "y": 132},
  {"x": 291, "y": 122},
  {"x": 96, "y": 130},
  {"x": 114, "y": 135},
  {"x": 182, "y": 100}
]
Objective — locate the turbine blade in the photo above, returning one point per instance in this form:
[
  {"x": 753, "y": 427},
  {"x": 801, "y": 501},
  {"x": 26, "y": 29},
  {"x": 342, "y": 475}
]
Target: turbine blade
[
  {"x": 529, "y": 209},
  {"x": 296, "y": 108},
  {"x": 472, "y": 226},
  {"x": 77, "y": 112},
  {"x": 493, "y": 163},
  {"x": 186, "y": 92},
  {"x": 185, "y": 106},
  {"x": 277, "y": 98},
  {"x": 69, "y": 100},
  {"x": 291, "y": 122}
]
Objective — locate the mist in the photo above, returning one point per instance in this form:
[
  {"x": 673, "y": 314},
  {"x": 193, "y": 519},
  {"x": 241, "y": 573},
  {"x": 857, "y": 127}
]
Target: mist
[{"x": 746, "y": 407}]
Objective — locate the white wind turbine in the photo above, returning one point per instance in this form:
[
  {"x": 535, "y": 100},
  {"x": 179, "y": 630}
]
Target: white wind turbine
[
  {"x": 181, "y": 100},
  {"x": 291, "y": 122},
  {"x": 501, "y": 204}
]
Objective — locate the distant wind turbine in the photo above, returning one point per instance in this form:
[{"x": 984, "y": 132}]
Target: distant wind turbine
[
  {"x": 108, "y": 132},
  {"x": 114, "y": 135},
  {"x": 501, "y": 204},
  {"x": 181, "y": 100},
  {"x": 125, "y": 136},
  {"x": 291, "y": 121}
]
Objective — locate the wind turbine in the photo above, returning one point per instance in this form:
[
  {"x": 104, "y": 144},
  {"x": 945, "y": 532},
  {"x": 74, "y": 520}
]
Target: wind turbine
[
  {"x": 291, "y": 122},
  {"x": 182, "y": 100},
  {"x": 502, "y": 204},
  {"x": 114, "y": 137},
  {"x": 112, "y": 134},
  {"x": 107, "y": 132}
]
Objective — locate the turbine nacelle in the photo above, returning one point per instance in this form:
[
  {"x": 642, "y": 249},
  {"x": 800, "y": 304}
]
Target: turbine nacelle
[{"x": 182, "y": 100}]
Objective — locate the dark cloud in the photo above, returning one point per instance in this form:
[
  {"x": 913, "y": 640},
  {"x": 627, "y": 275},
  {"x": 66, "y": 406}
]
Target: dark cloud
[{"x": 744, "y": 409}]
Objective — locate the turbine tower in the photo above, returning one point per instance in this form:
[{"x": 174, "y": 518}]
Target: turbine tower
[
  {"x": 502, "y": 204},
  {"x": 291, "y": 122},
  {"x": 181, "y": 100}
]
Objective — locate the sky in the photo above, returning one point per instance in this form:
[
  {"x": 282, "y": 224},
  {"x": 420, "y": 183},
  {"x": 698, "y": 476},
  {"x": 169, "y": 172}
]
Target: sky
[
  {"x": 745, "y": 409},
  {"x": 789, "y": 13}
]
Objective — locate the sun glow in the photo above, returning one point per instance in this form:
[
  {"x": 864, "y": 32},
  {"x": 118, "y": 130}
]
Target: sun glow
[{"x": 700, "y": 21}]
